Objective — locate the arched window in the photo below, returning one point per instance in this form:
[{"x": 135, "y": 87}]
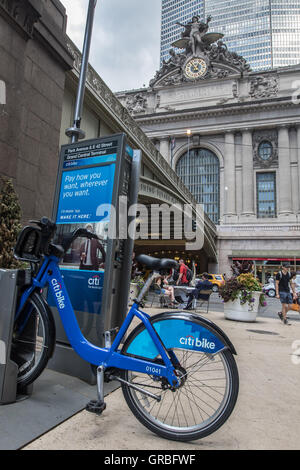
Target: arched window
[{"x": 199, "y": 170}]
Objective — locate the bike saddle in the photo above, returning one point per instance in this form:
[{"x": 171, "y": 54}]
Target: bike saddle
[{"x": 157, "y": 264}]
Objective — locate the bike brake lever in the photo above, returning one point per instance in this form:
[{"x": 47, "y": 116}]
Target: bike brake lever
[
  {"x": 37, "y": 222},
  {"x": 44, "y": 222}
]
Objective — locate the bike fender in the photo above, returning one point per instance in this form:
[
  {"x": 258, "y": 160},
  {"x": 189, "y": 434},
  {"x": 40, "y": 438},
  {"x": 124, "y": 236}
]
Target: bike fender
[
  {"x": 181, "y": 330},
  {"x": 51, "y": 321}
]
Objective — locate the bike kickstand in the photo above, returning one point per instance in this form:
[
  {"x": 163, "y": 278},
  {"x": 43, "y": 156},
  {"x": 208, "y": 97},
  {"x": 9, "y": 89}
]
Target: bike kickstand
[{"x": 98, "y": 406}]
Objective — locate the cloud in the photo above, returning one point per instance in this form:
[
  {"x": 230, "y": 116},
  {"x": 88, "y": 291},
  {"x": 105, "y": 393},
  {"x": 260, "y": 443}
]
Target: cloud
[{"x": 126, "y": 39}]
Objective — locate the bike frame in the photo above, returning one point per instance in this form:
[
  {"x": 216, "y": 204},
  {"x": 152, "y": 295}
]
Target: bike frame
[{"x": 49, "y": 275}]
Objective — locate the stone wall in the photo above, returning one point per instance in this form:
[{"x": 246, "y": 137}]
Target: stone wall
[{"x": 34, "y": 59}]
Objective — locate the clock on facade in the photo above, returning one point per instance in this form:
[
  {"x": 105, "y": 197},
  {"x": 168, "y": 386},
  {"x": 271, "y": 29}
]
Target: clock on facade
[{"x": 195, "y": 68}]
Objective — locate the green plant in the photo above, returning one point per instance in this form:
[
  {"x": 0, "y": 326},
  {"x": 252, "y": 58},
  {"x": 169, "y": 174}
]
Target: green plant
[
  {"x": 140, "y": 282},
  {"x": 242, "y": 287},
  {"x": 10, "y": 216},
  {"x": 249, "y": 282}
]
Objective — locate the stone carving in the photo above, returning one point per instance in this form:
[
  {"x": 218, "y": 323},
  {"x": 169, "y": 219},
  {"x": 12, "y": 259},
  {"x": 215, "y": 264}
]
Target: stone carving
[
  {"x": 95, "y": 82},
  {"x": 194, "y": 35},
  {"x": 218, "y": 73},
  {"x": 235, "y": 90},
  {"x": 263, "y": 86},
  {"x": 176, "y": 60},
  {"x": 198, "y": 43},
  {"x": 268, "y": 135},
  {"x": 172, "y": 80},
  {"x": 219, "y": 53},
  {"x": 23, "y": 13},
  {"x": 136, "y": 103}
]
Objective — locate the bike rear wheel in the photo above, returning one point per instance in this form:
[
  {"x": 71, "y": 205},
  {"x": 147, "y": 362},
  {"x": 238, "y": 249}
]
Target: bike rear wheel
[
  {"x": 205, "y": 399},
  {"x": 33, "y": 340}
]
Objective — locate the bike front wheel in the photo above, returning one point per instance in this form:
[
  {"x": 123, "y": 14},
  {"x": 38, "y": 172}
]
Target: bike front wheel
[
  {"x": 203, "y": 402},
  {"x": 33, "y": 340}
]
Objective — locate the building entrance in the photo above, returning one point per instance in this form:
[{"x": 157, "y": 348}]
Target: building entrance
[{"x": 266, "y": 268}]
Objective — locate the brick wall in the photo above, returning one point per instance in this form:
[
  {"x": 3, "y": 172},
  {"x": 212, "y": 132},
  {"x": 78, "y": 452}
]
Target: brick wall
[{"x": 33, "y": 63}]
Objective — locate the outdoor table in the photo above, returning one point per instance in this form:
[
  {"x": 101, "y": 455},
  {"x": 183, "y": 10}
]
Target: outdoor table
[{"x": 183, "y": 292}]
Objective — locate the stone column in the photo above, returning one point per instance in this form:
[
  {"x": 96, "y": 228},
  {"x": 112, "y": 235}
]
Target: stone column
[
  {"x": 284, "y": 173},
  {"x": 229, "y": 175},
  {"x": 164, "y": 149},
  {"x": 238, "y": 173},
  {"x": 294, "y": 170},
  {"x": 247, "y": 174},
  {"x": 222, "y": 205},
  {"x": 298, "y": 151}
]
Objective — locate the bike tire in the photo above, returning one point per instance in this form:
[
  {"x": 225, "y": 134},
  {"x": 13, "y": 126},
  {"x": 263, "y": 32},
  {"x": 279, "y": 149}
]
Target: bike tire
[
  {"x": 34, "y": 345},
  {"x": 191, "y": 398}
]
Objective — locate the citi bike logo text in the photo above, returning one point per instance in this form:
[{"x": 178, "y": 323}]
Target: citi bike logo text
[
  {"x": 94, "y": 281},
  {"x": 58, "y": 293},
  {"x": 198, "y": 343}
]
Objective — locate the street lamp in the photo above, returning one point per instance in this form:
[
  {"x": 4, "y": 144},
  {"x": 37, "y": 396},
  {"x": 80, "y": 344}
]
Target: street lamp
[{"x": 74, "y": 132}]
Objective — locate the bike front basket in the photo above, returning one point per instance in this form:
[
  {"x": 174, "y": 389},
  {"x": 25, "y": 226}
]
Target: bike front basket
[{"x": 28, "y": 246}]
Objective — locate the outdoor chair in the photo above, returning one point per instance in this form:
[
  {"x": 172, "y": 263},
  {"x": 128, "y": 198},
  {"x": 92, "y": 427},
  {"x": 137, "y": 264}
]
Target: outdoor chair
[
  {"x": 159, "y": 297},
  {"x": 198, "y": 304}
]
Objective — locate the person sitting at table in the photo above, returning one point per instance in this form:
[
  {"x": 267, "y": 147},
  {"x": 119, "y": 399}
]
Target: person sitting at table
[
  {"x": 204, "y": 284},
  {"x": 163, "y": 284}
]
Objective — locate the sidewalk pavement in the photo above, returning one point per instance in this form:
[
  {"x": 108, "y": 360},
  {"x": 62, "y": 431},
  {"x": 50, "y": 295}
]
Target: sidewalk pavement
[{"x": 266, "y": 415}]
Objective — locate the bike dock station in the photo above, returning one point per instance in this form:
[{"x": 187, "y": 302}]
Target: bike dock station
[
  {"x": 97, "y": 183},
  {"x": 65, "y": 387},
  {"x": 10, "y": 282}
]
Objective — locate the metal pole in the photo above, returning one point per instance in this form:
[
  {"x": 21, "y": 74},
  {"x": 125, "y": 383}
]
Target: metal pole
[{"x": 75, "y": 133}]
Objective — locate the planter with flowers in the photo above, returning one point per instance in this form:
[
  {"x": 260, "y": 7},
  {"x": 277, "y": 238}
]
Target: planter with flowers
[
  {"x": 242, "y": 296},
  {"x": 136, "y": 286}
]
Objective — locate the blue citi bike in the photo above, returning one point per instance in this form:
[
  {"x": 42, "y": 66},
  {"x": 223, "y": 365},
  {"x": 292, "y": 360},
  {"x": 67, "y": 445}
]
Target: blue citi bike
[{"x": 177, "y": 369}]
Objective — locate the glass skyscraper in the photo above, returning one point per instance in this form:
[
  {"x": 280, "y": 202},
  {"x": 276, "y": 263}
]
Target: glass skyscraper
[
  {"x": 265, "y": 32},
  {"x": 172, "y": 11}
]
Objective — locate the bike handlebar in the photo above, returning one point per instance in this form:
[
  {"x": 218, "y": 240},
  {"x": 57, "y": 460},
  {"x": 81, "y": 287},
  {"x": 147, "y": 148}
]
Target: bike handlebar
[
  {"x": 48, "y": 229},
  {"x": 79, "y": 233}
]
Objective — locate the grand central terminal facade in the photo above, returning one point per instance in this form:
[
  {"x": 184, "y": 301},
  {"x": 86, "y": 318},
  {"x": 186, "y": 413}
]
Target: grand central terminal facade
[
  {"x": 233, "y": 138},
  {"x": 210, "y": 132}
]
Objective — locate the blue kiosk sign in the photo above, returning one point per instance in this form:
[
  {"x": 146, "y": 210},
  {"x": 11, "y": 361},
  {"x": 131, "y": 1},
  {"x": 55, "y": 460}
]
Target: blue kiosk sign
[{"x": 92, "y": 175}]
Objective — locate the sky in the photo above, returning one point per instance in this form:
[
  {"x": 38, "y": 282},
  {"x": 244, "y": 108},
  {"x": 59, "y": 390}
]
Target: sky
[{"x": 125, "y": 48}]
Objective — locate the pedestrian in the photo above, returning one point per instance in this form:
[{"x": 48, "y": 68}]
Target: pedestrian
[
  {"x": 183, "y": 274},
  {"x": 283, "y": 285},
  {"x": 135, "y": 271},
  {"x": 295, "y": 306},
  {"x": 204, "y": 284}
]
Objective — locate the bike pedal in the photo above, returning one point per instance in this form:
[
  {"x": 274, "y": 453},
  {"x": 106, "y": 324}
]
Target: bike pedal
[{"x": 95, "y": 406}]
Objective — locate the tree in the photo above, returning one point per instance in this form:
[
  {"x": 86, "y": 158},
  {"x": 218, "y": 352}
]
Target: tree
[{"x": 10, "y": 217}]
